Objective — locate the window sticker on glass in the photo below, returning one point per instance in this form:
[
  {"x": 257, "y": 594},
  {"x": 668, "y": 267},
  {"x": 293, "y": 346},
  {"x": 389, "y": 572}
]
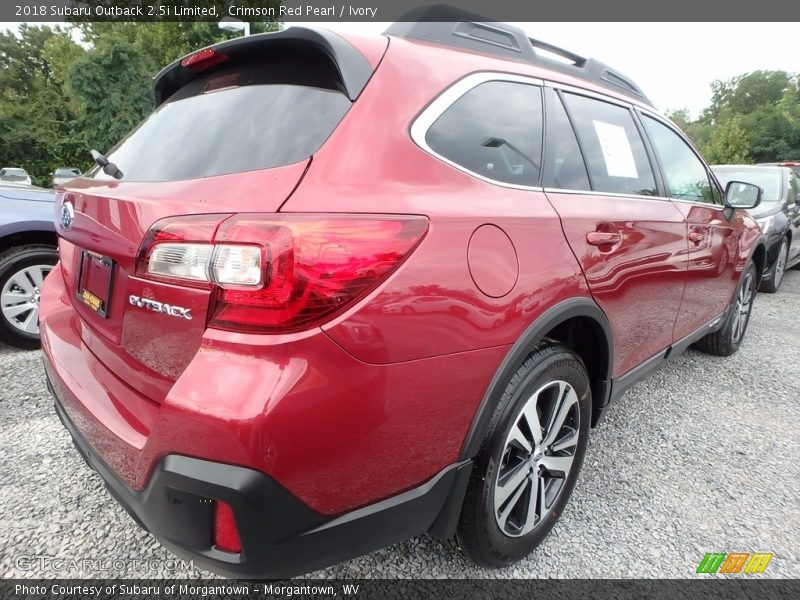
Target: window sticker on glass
[{"x": 617, "y": 152}]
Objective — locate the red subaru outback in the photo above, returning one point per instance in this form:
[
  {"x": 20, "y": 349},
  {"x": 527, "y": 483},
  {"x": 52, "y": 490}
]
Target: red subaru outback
[{"x": 337, "y": 292}]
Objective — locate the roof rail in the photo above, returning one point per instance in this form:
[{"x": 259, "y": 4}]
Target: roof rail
[{"x": 462, "y": 29}]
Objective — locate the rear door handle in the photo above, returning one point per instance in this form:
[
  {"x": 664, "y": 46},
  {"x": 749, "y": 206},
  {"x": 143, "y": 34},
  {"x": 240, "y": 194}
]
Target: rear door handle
[{"x": 603, "y": 238}]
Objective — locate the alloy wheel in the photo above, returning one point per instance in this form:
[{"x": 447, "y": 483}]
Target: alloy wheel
[
  {"x": 743, "y": 301},
  {"x": 19, "y": 298},
  {"x": 537, "y": 458},
  {"x": 780, "y": 264}
]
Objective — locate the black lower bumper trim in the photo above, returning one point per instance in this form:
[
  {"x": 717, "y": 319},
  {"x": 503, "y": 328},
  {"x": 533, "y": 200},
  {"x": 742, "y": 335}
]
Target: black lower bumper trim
[{"x": 281, "y": 536}]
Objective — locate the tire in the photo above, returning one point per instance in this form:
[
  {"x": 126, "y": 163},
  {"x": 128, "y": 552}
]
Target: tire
[
  {"x": 22, "y": 270},
  {"x": 496, "y": 538},
  {"x": 778, "y": 270},
  {"x": 728, "y": 338}
]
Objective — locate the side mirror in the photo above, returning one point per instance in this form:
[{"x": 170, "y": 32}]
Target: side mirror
[{"x": 739, "y": 194}]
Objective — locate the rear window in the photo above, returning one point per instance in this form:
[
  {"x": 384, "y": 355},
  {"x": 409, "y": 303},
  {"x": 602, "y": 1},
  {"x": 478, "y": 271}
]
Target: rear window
[
  {"x": 767, "y": 179},
  {"x": 495, "y": 131},
  {"x": 233, "y": 120},
  {"x": 13, "y": 174}
]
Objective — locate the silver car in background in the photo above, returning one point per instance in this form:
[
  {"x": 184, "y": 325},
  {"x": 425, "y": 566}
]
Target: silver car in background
[{"x": 27, "y": 254}]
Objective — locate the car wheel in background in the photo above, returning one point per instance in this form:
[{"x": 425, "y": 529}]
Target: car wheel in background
[
  {"x": 22, "y": 271},
  {"x": 530, "y": 458},
  {"x": 728, "y": 338},
  {"x": 778, "y": 269}
]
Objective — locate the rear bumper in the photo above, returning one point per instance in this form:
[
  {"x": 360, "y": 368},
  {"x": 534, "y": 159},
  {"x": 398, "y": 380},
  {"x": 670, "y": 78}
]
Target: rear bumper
[
  {"x": 322, "y": 457},
  {"x": 281, "y": 537}
]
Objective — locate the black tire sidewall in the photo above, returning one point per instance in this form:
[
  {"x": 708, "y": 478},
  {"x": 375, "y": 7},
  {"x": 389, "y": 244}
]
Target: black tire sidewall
[
  {"x": 8, "y": 267},
  {"x": 562, "y": 365}
]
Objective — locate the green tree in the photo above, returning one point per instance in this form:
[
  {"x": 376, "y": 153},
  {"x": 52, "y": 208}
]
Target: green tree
[
  {"x": 37, "y": 125},
  {"x": 60, "y": 98},
  {"x": 728, "y": 143},
  {"x": 754, "y": 117}
]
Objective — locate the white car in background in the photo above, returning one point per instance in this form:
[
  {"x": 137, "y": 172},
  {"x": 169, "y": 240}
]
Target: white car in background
[
  {"x": 15, "y": 175},
  {"x": 64, "y": 174}
]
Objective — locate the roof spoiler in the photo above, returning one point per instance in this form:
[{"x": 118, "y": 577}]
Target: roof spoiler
[
  {"x": 353, "y": 68},
  {"x": 455, "y": 27}
]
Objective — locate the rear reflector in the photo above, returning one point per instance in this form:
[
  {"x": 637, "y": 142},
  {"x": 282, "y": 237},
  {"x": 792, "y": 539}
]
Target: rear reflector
[
  {"x": 278, "y": 273},
  {"x": 226, "y": 534}
]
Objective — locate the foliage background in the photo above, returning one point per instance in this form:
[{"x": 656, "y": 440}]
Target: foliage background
[{"x": 59, "y": 98}]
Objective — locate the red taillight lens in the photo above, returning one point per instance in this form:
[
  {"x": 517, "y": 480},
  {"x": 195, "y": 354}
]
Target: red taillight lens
[
  {"x": 203, "y": 59},
  {"x": 316, "y": 267},
  {"x": 282, "y": 273},
  {"x": 226, "y": 534}
]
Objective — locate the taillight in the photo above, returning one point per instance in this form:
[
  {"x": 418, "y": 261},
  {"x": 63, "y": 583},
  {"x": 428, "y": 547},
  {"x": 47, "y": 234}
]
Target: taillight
[
  {"x": 179, "y": 250},
  {"x": 284, "y": 273}
]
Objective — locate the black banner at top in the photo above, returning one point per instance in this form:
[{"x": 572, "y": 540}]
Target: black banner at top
[{"x": 395, "y": 10}]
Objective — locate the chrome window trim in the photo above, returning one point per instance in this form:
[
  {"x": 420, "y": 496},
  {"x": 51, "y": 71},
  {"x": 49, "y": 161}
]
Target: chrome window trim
[
  {"x": 428, "y": 116},
  {"x": 549, "y": 190},
  {"x": 713, "y": 205}
]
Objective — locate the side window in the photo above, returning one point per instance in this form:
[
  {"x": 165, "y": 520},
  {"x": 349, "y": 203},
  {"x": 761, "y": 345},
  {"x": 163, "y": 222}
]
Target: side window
[
  {"x": 794, "y": 188},
  {"x": 612, "y": 147},
  {"x": 494, "y": 130},
  {"x": 565, "y": 167},
  {"x": 684, "y": 173}
]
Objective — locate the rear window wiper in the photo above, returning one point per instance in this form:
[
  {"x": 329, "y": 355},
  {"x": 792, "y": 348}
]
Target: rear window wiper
[{"x": 109, "y": 168}]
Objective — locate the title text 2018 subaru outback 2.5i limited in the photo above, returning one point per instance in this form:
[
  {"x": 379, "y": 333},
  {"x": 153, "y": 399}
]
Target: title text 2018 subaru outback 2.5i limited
[{"x": 334, "y": 293}]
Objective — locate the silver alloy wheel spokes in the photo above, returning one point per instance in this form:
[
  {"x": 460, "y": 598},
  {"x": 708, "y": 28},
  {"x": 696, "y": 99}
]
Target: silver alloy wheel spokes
[
  {"x": 19, "y": 298},
  {"x": 537, "y": 458},
  {"x": 780, "y": 264},
  {"x": 743, "y": 301}
]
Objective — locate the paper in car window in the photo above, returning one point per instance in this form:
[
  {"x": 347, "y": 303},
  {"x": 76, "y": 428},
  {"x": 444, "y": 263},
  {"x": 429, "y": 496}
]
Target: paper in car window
[{"x": 616, "y": 148}]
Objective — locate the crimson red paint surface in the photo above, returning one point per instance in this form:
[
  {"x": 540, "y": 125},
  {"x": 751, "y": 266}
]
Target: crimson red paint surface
[{"x": 380, "y": 398}]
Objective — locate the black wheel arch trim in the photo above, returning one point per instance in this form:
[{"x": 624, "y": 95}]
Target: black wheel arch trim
[
  {"x": 536, "y": 332},
  {"x": 760, "y": 243}
]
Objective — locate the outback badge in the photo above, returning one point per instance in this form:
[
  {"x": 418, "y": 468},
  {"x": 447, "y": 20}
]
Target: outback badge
[{"x": 160, "y": 307}]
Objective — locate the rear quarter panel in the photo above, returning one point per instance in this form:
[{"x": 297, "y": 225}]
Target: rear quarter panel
[{"x": 371, "y": 165}]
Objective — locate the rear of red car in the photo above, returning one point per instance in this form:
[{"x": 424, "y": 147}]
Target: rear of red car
[{"x": 183, "y": 335}]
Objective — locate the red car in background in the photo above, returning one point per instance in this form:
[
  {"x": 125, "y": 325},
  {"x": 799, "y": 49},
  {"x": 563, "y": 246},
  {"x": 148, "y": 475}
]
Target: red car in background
[{"x": 340, "y": 291}]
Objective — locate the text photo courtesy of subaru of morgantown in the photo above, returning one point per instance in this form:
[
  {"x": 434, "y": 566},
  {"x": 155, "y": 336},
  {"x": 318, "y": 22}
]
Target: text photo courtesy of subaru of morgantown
[{"x": 338, "y": 290}]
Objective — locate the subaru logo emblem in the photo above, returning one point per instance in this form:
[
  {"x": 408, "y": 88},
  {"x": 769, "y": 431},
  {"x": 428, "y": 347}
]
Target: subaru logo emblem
[{"x": 67, "y": 214}]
